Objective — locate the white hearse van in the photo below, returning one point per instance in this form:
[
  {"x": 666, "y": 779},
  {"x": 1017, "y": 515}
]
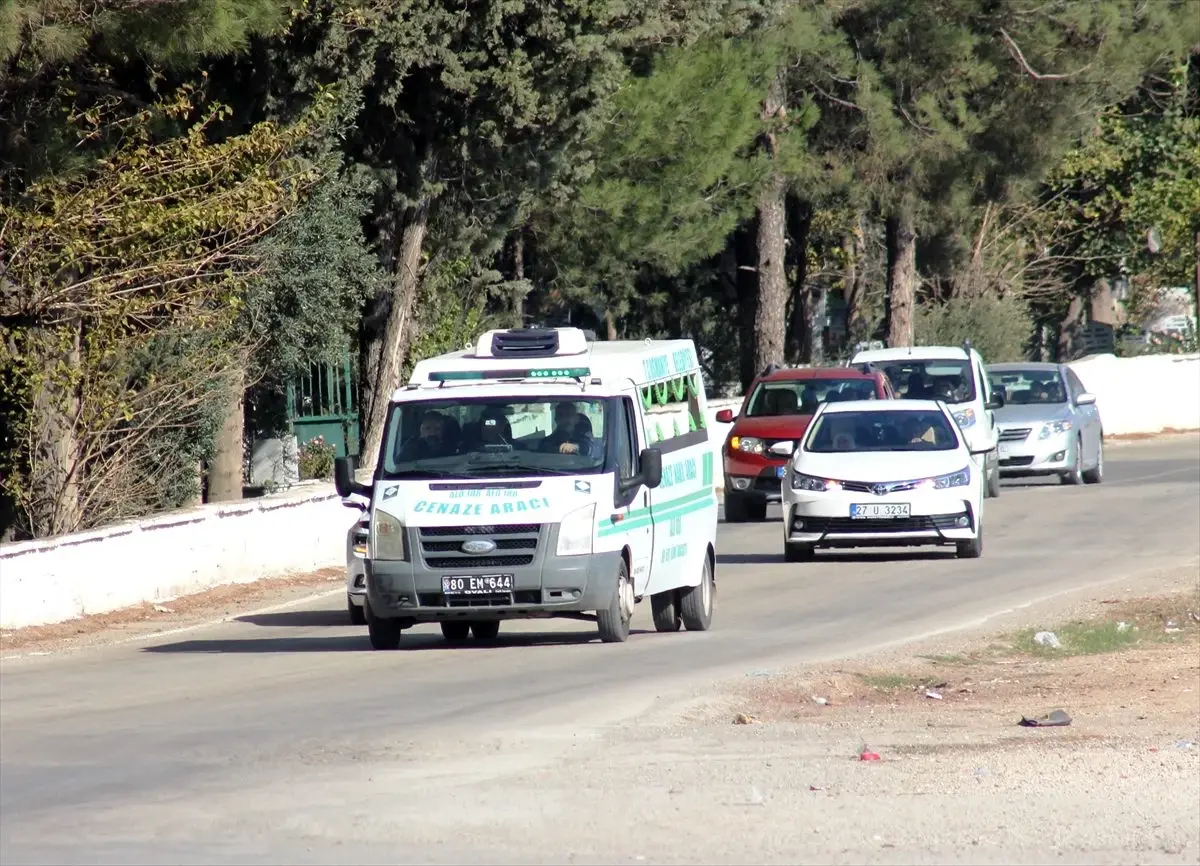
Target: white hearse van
[
  {"x": 541, "y": 473},
  {"x": 954, "y": 375}
]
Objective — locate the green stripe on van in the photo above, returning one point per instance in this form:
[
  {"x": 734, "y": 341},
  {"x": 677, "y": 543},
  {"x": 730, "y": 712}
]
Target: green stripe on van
[{"x": 668, "y": 510}]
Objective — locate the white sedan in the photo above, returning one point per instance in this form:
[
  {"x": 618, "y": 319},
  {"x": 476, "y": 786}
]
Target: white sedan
[{"x": 882, "y": 473}]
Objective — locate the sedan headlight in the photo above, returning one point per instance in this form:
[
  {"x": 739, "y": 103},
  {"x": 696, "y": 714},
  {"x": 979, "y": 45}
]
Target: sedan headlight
[
  {"x": 812, "y": 483},
  {"x": 746, "y": 444},
  {"x": 965, "y": 418},
  {"x": 1054, "y": 428},
  {"x": 577, "y": 532},
  {"x": 961, "y": 478},
  {"x": 387, "y": 538}
]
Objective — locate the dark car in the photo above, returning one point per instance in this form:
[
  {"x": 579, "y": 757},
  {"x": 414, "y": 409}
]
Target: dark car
[{"x": 775, "y": 414}]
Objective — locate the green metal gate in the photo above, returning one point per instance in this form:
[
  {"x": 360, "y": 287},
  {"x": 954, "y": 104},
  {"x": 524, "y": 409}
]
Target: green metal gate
[{"x": 324, "y": 403}]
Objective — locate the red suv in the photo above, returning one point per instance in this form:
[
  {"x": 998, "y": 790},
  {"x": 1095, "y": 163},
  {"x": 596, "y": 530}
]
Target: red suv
[{"x": 778, "y": 407}]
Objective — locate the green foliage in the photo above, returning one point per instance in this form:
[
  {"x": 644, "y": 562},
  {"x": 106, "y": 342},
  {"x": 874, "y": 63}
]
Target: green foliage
[
  {"x": 999, "y": 328},
  {"x": 122, "y": 285},
  {"x": 452, "y": 309}
]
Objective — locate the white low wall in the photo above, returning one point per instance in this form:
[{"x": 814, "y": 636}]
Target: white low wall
[
  {"x": 176, "y": 554},
  {"x": 305, "y": 529},
  {"x": 1147, "y": 394}
]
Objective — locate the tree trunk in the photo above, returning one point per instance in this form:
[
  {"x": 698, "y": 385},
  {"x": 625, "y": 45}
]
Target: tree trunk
[
  {"x": 54, "y": 504},
  {"x": 856, "y": 282},
  {"x": 901, "y": 274},
  {"x": 395, "y": 342},
  {"x": 610, "y": 325},
  {"x": 225, "y": 473},
  {"x": 744, "y": 260},
  {"x": 517, "y": 301},
  {"x": 1068, "y": 329},
  {"x": 800, "y": 345},
  {"x": 770, "y": 315}
]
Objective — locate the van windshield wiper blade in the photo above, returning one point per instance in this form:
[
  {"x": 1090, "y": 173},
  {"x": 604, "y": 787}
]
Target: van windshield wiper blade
[
  {"x": 519, "y": 466},
  {"x": 419, "y": 473}
]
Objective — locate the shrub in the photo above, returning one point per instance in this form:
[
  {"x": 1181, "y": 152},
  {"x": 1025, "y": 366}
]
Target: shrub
[
  {"x": 316, "y": 459},
  {"x": 999, "y": 328}
]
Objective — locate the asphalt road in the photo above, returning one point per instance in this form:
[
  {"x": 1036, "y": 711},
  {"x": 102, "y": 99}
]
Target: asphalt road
[{"x": 205, "y": 747}]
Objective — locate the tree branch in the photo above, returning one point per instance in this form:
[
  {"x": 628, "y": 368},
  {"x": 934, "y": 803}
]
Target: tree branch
[{"x": 1015, "y": 50}]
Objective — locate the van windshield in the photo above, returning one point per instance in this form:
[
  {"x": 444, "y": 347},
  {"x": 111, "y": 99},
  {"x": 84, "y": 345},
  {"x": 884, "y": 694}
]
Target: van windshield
[
  {"x": 496, "y": 436},
  {"x": 950, "y": 380}
]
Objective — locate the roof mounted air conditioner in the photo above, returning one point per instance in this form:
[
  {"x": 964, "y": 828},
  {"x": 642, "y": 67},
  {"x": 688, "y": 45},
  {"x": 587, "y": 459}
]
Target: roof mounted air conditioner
[{"x": 517, "y": 343}]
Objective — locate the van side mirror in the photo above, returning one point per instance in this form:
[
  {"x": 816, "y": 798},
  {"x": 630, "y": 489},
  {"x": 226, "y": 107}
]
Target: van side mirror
[
  {"x": 997, "y": 401},
  {"x": 343, "y": 478},
  {"x": 651, "y": 467},
  {"x": 725, "y": 416}
]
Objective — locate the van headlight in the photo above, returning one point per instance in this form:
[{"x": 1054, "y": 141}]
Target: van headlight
[
  {"x": 961, "y": 478},
  {"x": 387, "y": 538},
  {"x": 576, "y": 533}
]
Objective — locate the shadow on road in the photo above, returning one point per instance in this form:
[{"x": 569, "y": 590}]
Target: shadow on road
[
  {"x": 411, "y": 642},
  {"x": 297, "y": 618},
  {"x": 929, "y": 553}
]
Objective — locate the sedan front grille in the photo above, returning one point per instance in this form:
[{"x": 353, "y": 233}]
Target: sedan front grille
[
  {"x": 1015, "y": 434},
  {"x": 849, "y": 526}
]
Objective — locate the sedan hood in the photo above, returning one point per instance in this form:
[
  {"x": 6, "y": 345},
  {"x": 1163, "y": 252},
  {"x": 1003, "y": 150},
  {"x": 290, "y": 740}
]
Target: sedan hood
[
  {"x": 1025, "y": 413},
  {"x": 871, "y": 466}
]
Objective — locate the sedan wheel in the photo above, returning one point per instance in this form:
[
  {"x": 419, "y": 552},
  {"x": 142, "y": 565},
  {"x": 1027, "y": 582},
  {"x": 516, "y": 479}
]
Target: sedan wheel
[{"x": 1096, "y": 474}]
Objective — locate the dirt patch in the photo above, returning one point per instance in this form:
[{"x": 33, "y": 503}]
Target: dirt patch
[
  {"x": 1146, "y": 437},
  {"x": 1131, "y": 668},
  {"x": 219, "y": 602}
]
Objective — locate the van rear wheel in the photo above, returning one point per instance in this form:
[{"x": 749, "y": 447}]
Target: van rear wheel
[
  {"x": 696, "y": 602},
  {"x": 665, "y": 608},
  {"x": 485, "y": 629},
  {"x": 456, "y": 630}
]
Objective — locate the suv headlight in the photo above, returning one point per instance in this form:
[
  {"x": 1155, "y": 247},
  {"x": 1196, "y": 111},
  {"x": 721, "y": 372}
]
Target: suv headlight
[
  {"x": 746, "y": 444},
  {"x": 812, "y": 483},
  {"x": 1053, "y": 428},
  {"x": 576, "y": 533},
  {"x": 387, "y": 538},
  {"x": 961, "y": 478},
  {"x": 965, "y": 418}
]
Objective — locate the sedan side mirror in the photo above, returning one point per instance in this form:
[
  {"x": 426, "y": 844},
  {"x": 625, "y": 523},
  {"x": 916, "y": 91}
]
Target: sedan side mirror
[
  {"x": 1085, "y": 399},
  {"x": 725, "y": 416}
]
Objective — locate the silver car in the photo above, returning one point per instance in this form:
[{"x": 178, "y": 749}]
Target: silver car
[
  {"x": 1049, "y": 424},
  {"x": 356, "y": 570}
]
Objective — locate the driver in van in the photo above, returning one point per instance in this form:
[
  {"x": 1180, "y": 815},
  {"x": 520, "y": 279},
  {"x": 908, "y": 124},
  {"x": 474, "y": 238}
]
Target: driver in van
[
  {"x": 430, "y": 441},
  {"x": 572, "y": 431}
]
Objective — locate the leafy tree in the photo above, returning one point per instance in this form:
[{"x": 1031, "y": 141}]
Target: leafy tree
[{"x": 119, "y": 287}]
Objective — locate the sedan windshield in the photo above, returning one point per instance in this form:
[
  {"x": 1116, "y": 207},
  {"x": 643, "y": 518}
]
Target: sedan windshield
[
  {"x": 950, "y": 380},
  {"x": 1024, "y": 387},
  {"x": 917, "y": 430},
  {"x": 482, "y": 438},
  {"x": 803, "y": 396}
]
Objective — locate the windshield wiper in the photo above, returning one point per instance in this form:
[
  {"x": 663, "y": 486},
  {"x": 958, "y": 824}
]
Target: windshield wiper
[
  {"x": 419, "y": 473},
  {"x": 517, "y": 466}
]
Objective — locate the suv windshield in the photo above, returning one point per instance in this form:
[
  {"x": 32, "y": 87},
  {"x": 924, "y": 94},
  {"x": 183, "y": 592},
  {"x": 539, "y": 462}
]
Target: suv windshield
[
  {"x": 1022, "y": 387},
  {"x": 948, "y": 380},
  {"x": 802, "y": 396},
  {"x": 917, "y": 430},
  {"x": 486, "y": 437}
]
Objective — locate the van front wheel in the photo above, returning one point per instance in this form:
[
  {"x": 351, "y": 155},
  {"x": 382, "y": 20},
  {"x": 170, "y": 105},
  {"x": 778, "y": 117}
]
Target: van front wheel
[
  {"x": 613, "y": 621},
  {"x": 384, "y": 634},
  {"x": 696, "y": 602}
]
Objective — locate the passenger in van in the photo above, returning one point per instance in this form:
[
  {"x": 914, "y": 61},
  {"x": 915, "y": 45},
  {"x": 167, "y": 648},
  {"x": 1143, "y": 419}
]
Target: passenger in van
[
  {"x": 572, "y": 432},
  {"x": 430, "y": 441}
]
